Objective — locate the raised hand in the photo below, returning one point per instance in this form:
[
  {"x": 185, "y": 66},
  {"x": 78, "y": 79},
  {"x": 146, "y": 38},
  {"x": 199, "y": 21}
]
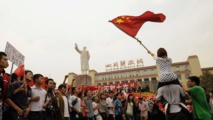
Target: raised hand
[{"x": 66, "y": 76}]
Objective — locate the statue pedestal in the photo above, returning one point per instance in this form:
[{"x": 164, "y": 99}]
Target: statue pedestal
[{"x": 83, "y": 79}]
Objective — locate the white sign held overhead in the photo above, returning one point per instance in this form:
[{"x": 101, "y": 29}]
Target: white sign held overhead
[{"x": 14, "y": 55}]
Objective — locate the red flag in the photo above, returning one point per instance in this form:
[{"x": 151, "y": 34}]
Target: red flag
[
  {"x": 131, "y": 24},
  {"x": 19, "y": 71},
  {"x": 43, "y": 85},
  {"x": 31, "y": 83}
]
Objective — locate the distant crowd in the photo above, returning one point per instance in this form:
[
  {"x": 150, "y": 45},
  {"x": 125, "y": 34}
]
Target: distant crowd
[{"x": 19, "y": 101}]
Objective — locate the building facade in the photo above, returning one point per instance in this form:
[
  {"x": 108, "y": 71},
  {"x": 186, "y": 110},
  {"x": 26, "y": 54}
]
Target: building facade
[{"x": 147, "y": 75}]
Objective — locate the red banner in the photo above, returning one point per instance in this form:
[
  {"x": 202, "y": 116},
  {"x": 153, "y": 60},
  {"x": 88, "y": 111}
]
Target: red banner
[{"x": 113, "y": 87}]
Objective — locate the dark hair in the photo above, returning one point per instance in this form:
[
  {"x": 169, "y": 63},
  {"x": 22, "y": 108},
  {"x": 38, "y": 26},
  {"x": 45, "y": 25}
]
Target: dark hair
[
  {"x": 101, "y": 95},
  {"x": 161, "y": 52},
  {"x": 2, "y": 54},
  {"x": 85, "y": 93},
  {"x": 118, "y": 94},
  {"x": 73, "y": 89},
  {"x": 25, "y": 72},
  {"x": 49, "y": 79},
  {"x": 62, "y": 86},
  {"x": 128, "y": 99},
  {"x": 14, "y": 77},
  {"x": 36, "y": 76},
  {"x": 80, "y": 94},
  {"x": 195, "y": 79}
]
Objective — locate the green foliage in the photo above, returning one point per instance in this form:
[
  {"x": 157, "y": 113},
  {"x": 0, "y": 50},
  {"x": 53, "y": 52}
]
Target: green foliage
[{"x": 206, "y": 80}]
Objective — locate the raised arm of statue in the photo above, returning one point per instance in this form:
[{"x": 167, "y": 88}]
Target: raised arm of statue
[{"x": 76, "y": 47}]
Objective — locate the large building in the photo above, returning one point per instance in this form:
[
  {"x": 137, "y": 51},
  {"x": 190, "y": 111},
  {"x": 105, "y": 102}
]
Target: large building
[{"x": 147, "y": 75}]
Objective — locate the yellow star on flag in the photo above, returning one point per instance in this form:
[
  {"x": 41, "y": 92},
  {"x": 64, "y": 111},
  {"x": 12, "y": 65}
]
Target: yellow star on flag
[{"x": 119, "y": 21}]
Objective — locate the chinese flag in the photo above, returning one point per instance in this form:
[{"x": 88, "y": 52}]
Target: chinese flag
[
  {"x": 43, "y": 85},
  {"x": 20, "y": 71},
  {"x": 131, "y": 24},
  {"x": 31, "y": 83}
]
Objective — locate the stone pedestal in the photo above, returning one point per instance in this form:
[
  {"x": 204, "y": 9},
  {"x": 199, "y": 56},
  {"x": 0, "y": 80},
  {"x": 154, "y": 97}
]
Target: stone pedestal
[{"x": 83, "y": 79}]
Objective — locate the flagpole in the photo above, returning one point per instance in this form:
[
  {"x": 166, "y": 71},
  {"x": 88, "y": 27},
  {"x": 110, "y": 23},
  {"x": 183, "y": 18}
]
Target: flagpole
[
  {"x": 11, "y": 71},
  {"x": 141, "y": 43}
]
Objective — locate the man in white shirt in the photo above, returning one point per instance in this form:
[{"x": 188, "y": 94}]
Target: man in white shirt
[
  {"x": 172, "y": 94},
  {"x": 110, "y": 105},
  {"x": 75, "y": 104},
  {"x": 38, "y": 101}
]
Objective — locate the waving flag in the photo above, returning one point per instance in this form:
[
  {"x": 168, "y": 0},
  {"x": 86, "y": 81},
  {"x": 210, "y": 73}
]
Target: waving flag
[{"x": 131, "y": 24}]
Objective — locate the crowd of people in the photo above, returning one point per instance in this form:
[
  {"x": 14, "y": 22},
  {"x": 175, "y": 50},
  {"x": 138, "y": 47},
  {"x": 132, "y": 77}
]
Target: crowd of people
[{"x": 19, "y": 101}]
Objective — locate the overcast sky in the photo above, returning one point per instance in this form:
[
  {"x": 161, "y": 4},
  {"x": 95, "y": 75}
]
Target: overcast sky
[{"x": 45, "y": 32}]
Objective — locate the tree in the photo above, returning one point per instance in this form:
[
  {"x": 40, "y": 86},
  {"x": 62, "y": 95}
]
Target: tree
[{"x": 206, "y": 80}]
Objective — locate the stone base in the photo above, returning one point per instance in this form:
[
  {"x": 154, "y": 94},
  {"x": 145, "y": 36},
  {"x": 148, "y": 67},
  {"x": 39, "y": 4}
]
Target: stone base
[{"x": 83, "y": 79}]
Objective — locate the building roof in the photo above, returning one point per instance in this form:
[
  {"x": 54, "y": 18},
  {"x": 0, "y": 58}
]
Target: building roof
[
  {"x": 192, "y": 56},
  {"x": 208, "y": 68},
  {"x": 180, "y": 63}
]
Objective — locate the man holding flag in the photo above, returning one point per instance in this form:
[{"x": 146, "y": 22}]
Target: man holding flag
[{"x": 17, "y": 97}]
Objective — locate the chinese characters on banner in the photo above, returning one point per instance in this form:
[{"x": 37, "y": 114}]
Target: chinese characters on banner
[{"x": 14, "y": 55}]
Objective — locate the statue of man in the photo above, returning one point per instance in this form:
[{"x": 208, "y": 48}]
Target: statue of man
[{"x": 84, "y": 59}]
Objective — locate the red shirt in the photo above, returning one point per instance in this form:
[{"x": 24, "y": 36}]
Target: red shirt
[{"x": 6, "y": 83}]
